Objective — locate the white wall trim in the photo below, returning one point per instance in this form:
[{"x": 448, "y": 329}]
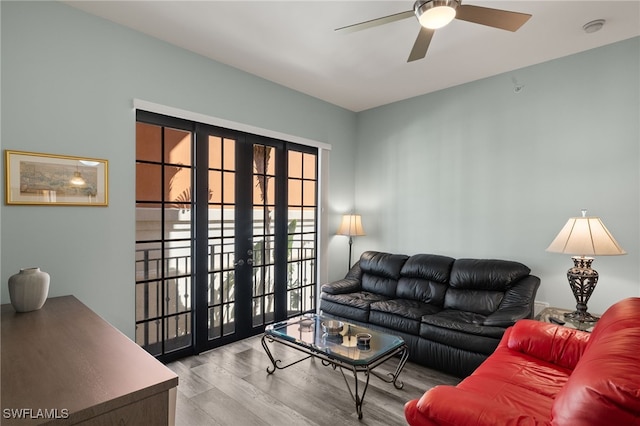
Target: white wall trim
[{"x": 227, "y": 124}]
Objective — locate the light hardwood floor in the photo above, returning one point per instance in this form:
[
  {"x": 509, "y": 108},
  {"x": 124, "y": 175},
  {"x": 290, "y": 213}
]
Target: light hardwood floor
[{"x": 230, "y": 386}]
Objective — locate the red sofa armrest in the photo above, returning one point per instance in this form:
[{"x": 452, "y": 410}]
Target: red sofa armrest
[
  {"x": 449, "y": 406},
  {"x": 549, "y": 342}
]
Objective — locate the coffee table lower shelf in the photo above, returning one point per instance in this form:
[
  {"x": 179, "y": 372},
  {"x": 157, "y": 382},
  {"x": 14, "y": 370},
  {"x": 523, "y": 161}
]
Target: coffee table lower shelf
[{"x": 328, "y": 360}]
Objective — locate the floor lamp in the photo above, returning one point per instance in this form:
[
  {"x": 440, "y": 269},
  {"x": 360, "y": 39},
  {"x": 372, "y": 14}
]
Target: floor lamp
[
  {"x": 584, "y": 237},
  {"x": 351, "y": 226}
]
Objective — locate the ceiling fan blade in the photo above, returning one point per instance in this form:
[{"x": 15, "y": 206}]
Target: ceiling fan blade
[
  {"x": 503, "y": 19},
  {"x": 421, "y": 45},
  {"x": 375, "y": 22}
]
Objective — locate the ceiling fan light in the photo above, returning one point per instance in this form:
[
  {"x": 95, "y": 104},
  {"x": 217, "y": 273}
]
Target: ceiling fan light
[{"x": 435, "y": 14}]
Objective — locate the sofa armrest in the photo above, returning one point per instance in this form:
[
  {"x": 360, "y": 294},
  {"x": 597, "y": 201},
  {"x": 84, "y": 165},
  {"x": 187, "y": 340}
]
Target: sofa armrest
[
  {"x": 449, "y": 405},
  {"x": 549, "y": 342},
  {"x": 343, "y": 286},
  {"x": 507, "y": 317},
  {"x": 517, "y": 303},
  {"x": 351, "y": 283}
]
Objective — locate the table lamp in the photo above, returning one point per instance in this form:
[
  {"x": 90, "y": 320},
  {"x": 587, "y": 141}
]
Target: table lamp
[
  {"x": 584, "y": 237},
  {"x": 351, "y": 226}
]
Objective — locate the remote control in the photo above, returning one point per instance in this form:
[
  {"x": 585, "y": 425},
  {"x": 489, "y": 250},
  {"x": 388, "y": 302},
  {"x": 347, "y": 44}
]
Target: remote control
[{"x": 556, "y": 321}]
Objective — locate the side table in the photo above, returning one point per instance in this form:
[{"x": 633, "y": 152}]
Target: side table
[{"x": 551, "y": 313}]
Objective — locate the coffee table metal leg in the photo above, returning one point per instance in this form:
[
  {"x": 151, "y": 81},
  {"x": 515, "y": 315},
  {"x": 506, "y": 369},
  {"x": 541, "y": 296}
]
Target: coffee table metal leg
[
  {"x": 355, "y": 395},
  {"x": 393, "y": 377},
  {"x": 276, "y": 363}
]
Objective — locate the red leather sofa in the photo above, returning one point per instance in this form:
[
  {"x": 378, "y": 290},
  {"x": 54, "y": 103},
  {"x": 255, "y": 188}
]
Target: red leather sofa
[{"x": 546, "y": 374}]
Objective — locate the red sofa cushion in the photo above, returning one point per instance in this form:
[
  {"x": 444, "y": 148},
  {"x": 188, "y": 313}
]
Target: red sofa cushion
[
  {"x": 559, "y": 345},
  {"x": 604, "y": 388}
]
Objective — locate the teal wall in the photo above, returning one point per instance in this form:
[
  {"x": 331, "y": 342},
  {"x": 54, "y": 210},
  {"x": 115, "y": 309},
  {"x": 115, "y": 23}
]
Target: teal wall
[
  {"x": 68, "y": 84},
  {"x": 479, "y": 170},
  {"x": 472, "y": 171}
]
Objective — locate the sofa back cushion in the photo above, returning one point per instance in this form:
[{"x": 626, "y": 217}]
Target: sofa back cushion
[
  {"x": 425, "y": 277},
  {"x": 478, "y": 285},
  {"x": 486, "y": 274},
  {"x": 381, "y": 271},
  {"x": 604, "y": 386},
  {"x": 552, "y": 343}
]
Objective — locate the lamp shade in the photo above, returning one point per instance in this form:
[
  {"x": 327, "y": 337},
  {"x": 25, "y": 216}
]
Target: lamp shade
[
  {"x": 351, "y": 226},
  {"x": 585, "y": 236}
]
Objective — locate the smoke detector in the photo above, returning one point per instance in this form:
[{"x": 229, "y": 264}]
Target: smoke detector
[{"x": 593, "y": 26}]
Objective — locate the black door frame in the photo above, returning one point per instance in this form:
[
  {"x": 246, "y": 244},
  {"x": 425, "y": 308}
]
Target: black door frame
[{"x": 244, "y": 226}]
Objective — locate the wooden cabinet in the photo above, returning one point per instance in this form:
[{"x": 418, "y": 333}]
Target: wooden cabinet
[{"x": 65, "y": 365}]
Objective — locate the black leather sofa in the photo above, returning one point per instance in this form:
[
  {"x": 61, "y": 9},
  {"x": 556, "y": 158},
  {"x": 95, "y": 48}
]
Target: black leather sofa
[{"x": 450, "y": 312}]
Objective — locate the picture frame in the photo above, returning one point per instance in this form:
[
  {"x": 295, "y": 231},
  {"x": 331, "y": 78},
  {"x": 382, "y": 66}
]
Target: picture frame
[{"x": 55, "y": 180}]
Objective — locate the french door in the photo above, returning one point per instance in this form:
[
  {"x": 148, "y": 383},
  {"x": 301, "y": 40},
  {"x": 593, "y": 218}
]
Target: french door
[{"x": 225, "y": 234}]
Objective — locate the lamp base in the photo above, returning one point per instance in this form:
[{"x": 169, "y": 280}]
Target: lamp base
[
  {"x": 581, "y": 316},
  {"x": 582, "y": 280}
]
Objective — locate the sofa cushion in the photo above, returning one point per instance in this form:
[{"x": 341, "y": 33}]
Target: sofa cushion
[
  {"x": 430, "y": 267},
  {"x": 421, "y": 290},
  {"x": 384, "y": 265},
  {"x": 486, "y": 274},
  {"x": 463, "y": 330},
  {"x": 425, "y": 277},
  {"x": 351, "y": 305},
  {"x": 380, "y": 272},
  {"x": 604, "y": 388},
  {"x": 467, "y": 322},
  {"x": 562, "y": 346},
  {"x": 483, "y": 302},
  {"x": 399, "y": 314}
]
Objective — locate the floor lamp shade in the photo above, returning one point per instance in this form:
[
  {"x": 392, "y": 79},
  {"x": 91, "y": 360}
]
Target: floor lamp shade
[
  {"x": 584, "y": 237},
  {"x": 351, "y": 226}
]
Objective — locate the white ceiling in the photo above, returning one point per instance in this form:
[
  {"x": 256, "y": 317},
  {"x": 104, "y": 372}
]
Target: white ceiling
[{"x": 293, "y": 43}]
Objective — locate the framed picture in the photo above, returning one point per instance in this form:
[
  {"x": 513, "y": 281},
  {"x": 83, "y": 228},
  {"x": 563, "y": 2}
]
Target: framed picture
[{"x": 56, "y": 180}]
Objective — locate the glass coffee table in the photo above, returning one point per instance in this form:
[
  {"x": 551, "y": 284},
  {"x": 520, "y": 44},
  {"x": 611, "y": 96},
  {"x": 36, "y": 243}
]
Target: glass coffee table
[{"x": 336, "y": 345}]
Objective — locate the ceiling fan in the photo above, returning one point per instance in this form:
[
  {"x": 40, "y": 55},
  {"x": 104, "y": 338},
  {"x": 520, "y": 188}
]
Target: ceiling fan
[{"x": 434, "y": 14}]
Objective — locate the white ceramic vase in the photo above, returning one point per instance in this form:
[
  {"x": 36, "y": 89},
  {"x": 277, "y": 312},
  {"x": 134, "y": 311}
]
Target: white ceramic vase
[{"x": 28, "y": 289}]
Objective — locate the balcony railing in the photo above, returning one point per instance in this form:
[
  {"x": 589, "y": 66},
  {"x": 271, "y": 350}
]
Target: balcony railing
[{"x": 174, "y": 290}]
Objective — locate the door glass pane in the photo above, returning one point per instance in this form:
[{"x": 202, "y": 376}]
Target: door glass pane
[
  {"x": 177, "y": 146},
  {"x": 221, "y": 236},
  {"x": 215, "y": 186},
  {"x": 178, "y": 187},
  {"x": 309, "y": 166},
  {"x": 148, "y": 178},
  {"x": 302, "y": 206},
  {"x": 264, "y": 211},
  {"x": 295, "y": 164},
  {"x": 229, "y": 158},
  {"x": 164, "y": 238},
  {"x": 148, "y": 142},
  {"x": 177, "y": 332}
]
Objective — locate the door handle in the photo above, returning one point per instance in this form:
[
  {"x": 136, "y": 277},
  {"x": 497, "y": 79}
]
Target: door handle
[{"x": 238, "y": 263}]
